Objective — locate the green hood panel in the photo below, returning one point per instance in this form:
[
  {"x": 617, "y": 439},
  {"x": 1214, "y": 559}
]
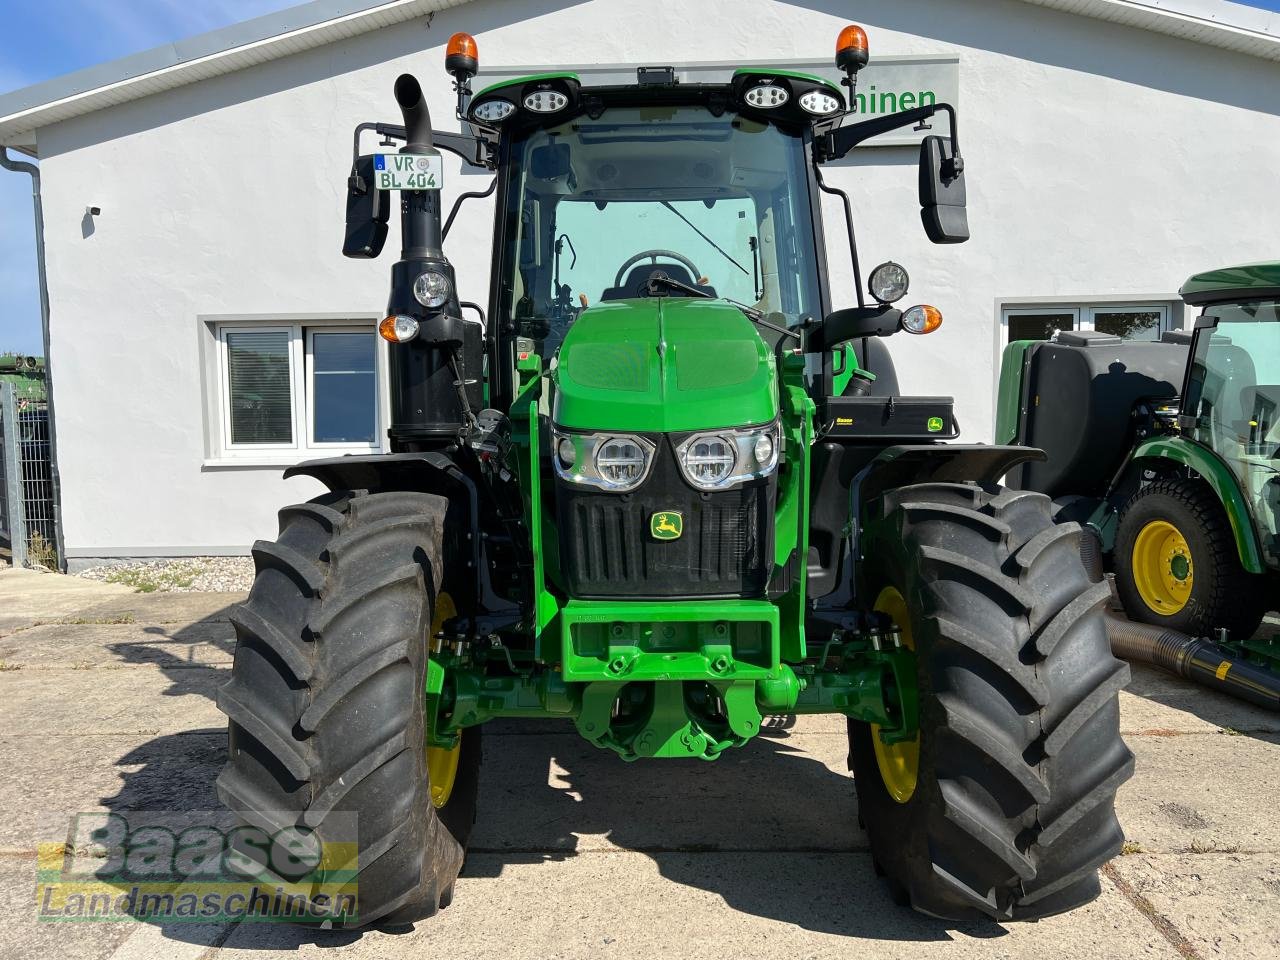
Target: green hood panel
[{"x": 663, "y": 364}]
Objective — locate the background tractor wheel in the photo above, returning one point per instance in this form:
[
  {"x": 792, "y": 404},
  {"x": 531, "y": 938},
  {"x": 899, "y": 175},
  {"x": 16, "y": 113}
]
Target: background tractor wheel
[
  {"x": 1003, "y": 807},
  {"x": 326, "y": 697},
  {"x": 1177, "y": 565}
]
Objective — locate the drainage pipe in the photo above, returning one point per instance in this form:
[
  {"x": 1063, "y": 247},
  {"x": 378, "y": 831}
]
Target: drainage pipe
[{"x": 42, "y": 279}]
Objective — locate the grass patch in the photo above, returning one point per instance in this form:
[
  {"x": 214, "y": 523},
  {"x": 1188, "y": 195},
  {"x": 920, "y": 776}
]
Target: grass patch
[
  {"x": 6, "y": 666},
  {"x": 1131, "y": 847},
  {"x": 177, "y": 576}
]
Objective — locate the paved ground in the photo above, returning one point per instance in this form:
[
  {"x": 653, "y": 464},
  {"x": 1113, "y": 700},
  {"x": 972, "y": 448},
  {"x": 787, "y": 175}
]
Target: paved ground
[{"x": 106, "y": 704}]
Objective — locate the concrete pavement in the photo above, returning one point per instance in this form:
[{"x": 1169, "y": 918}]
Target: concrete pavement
[{"x": 106, "y": 704}]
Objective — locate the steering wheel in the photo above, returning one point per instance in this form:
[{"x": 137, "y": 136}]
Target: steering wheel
[{"x": 654, "y": 255}]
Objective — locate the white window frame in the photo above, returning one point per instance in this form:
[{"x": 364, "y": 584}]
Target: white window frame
[{"x": 220, "y": 451}]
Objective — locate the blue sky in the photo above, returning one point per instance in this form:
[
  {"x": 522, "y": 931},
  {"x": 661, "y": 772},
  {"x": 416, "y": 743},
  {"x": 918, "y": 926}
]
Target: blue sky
[{"x": 45, "y": 38}]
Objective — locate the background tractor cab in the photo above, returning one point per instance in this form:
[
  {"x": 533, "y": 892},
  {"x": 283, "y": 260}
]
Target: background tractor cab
[
  {"x": 665, "y": 487},
  {"x": 1170, "y": 452}
]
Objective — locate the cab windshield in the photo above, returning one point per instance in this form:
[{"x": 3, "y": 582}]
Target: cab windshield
[
  {"x": 595, "y": 207},
  {"x": 1235, "y": 397}
]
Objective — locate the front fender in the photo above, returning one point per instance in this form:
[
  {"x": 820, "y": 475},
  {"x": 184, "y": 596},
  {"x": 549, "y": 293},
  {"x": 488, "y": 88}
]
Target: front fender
[
  {"x": 1218, "y": 475},
  {"x": 907, "y": 464}
]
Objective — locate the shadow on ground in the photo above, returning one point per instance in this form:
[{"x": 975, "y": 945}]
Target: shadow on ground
[{"x": 780, "y": 824}]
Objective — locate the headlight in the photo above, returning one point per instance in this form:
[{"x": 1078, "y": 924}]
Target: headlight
[
  {"x": 617, "y": 462},
  {"x": 432, "y": 289},
  {"x": 713, "y": 461},
  {"x": 398, "y": 328},
  {"x": 888, "y": 282},
  {"x": 819, "y": 102},
  {"x": 766, "y": 96},
  {"x": 493, "y": 111}
]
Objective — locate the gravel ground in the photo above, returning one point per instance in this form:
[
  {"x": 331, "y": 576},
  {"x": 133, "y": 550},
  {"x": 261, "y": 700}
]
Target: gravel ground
[{"x": 179, "y": 575}]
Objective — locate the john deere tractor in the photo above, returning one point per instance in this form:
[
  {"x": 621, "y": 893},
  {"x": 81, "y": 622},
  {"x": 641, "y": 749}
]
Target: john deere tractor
[
  {"x": 663, "y": 488},
  {"x": 1169, "y": 453}
]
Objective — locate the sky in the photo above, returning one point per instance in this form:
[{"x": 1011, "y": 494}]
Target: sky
[{"x": 47, "y": 38}]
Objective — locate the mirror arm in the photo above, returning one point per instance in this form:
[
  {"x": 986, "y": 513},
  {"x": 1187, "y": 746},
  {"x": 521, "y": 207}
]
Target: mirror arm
[
  {"x": 472, "y": 150},
  {"x": 837, "y": 143}
]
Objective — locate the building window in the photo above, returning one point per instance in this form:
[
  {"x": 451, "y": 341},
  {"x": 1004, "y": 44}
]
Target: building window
[
  {"x": 297, "y": 387},
  {"x": 1133, "y": 321}
]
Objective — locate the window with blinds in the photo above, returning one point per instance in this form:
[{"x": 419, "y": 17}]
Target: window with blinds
[
  {"x": 259, "y": 387},
  {"x": 288, "y": 391}
]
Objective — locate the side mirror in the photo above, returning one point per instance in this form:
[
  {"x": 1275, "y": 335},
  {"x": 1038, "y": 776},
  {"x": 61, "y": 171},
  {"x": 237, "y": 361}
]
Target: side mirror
[
  {"x": 368, "y": 209},
  {"x": 942, "y": 192}
]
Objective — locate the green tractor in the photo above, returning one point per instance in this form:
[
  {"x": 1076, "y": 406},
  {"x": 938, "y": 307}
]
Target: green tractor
[
  {"x": 662, "y": 489},
  {"x": 1169, "y": 453}
]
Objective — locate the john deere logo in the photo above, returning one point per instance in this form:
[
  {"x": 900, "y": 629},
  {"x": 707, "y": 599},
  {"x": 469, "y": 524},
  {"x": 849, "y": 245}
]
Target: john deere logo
[
  {"x": 666, "y": 526},
  {"x": 935, "y": 424}
]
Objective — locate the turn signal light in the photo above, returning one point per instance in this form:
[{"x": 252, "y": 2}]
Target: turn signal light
[
  {"x": 398, "y": 328},
  {"x": 921, "y": 318},
  {"x": 851, "y": 49},
  {"x": 461, "y": 55}
]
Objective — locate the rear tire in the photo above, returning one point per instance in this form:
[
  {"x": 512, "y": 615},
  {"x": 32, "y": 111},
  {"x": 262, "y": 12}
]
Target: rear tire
[
  {"x": 1221, "y": 593},
  {"x": 326, "y": 698},
  {"x": 1020, "y": 754}
]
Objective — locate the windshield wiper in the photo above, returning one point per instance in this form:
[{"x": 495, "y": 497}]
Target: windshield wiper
[
  {"x": 660, "y": 279},
  {"x": 692, "y": 226}
]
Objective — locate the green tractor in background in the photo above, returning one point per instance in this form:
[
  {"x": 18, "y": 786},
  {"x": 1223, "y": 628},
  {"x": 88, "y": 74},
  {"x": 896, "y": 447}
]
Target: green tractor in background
[
  {"x": 663, "y": 489},
  {"x": 1169, "y": 453}
]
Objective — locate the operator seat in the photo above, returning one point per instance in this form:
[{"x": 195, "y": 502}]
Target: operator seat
[{"x": 633, "y": 285}]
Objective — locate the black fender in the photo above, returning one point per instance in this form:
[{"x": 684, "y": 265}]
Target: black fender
[
  {"x": 907, "y": 464},
  {"x": 426, "y": 472},
  {"x": 850, "y": 478}
]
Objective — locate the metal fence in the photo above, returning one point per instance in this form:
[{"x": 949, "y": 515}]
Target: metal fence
[{"x": 26, "y": 481}]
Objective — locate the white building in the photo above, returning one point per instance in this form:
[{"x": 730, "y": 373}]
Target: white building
[{"x": 1112, "y": 148}]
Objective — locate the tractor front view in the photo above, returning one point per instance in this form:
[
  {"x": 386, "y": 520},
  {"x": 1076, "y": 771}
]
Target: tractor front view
[{"x": 663, "y": 488}]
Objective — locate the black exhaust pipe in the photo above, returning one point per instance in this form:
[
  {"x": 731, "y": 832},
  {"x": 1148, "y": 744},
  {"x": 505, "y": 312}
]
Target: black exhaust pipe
[
  {"x": 435, "y": 376},
  {"x": 1196, "y": 659}
]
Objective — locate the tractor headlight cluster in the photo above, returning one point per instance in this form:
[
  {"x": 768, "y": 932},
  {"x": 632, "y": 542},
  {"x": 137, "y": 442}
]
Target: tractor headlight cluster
[
  {"x": 617, "y": 462},
  {"x": 766, "y": 96},
  {"x": 718, "y": 459}
]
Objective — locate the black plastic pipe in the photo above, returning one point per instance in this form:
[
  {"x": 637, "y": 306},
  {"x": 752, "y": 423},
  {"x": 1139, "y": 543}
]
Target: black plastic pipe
[
  {"x": 1200, "y": 660},
  {"x": 419, "y": 209}
]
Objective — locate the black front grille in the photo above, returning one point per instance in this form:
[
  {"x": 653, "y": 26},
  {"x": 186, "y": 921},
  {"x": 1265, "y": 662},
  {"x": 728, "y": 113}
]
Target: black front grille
[{"x": 607, "y": 550}]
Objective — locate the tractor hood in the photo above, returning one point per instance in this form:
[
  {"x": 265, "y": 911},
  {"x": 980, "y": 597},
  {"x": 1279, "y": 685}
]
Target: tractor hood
[{"x": 663, "y": 364}]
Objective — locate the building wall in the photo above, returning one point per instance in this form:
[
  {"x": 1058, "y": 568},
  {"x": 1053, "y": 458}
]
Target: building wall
[{"x": 1101, "y": 161}]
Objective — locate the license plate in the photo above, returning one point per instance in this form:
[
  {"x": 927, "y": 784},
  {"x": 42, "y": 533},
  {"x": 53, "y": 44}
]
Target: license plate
[{"x": 408, "y": 171}]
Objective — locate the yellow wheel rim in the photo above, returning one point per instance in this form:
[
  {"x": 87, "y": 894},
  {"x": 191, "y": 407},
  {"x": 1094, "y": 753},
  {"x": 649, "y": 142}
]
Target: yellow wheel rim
[
  {"x": 442, "y": 762},
  {"x": 899, "y": 763},
  {"x": 1162, "y": 567}
]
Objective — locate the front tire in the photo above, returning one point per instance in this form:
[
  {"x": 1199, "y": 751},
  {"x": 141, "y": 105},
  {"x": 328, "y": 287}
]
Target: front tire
[
  {"x": 1177, "y": 565},
  {"x": 1009, "y": 810},
  {"x": 326, "y": 698}
]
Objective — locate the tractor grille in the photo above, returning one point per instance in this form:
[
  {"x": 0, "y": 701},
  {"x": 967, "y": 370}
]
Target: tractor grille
[{"x": 725, "y": 550}]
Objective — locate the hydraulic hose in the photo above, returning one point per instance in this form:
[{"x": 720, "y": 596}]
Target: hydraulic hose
[{"x": 1200, "y": 660}]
